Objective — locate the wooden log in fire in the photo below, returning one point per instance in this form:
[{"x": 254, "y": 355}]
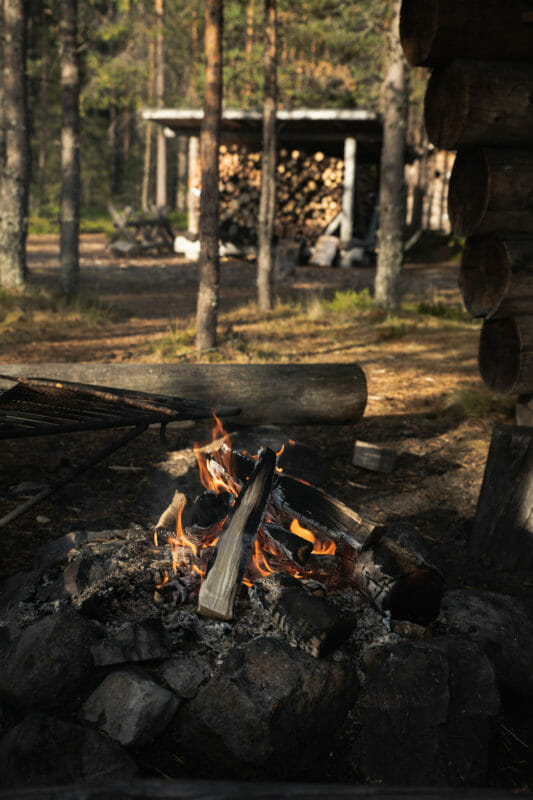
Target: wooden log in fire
[
  {"x": 285, "y": 394},
  {"x": 502, "y": 532},
  {"x": 219, "y": 589},
  {"x": 496, "y": 276},
  {"x": 506, "y": 355},
  {"x": 435, "y": 31},
  {"x": 478, "y": 103},
  {"x": 398, "y": 581},
  {"x": 490, "y": 190},
  {"x": 309, "y": 622},
  {"x": 292, "y": 547}
]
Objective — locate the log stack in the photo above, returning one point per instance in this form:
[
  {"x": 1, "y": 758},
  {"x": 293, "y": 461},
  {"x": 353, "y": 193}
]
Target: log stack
[
  {"x": 308, "y": 194},
  {"x": 479, "y": 103}
]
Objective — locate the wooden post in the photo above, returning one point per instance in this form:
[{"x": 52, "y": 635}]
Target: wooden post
[
  {"x": 348, "y": 193},
  {"x": 502, "y": 532},
  {"x": 161, "y": 159},
  {"x": 496, "y": 275},
  {"x": 490, "y": 190},
  {"x": 437, "y": 31},
  {"x": 480, "y": 103},
  {"x": 194, "y": 184}
]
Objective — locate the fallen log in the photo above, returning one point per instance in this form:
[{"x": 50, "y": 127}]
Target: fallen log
[
  {"x": 433, "y": 32},
  {"x": 496, "y": 275},
  {"x": 297, "y": 394},
  {"x": 480, "y": 103},
  {"x": 490, "y": 190},
  {"x": 502, "y": 531},
  {"x": 225, "y": 572},
  {"x": 309, "y": 622},
  {"x": 505, "y": 355}
]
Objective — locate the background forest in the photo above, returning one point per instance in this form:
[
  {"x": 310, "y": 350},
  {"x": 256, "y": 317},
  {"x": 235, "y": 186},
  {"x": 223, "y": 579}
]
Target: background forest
[{"x": 330, "y": 56}]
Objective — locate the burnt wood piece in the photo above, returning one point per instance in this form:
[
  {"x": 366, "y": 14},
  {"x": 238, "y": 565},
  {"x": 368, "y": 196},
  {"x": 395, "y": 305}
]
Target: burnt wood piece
[
  {"x": 324, "y": 515},
  {"x": 309, "y": 622},
  {"x": 436, "y": 31},
  {"x": 292, "y": 547},
  {"x": 490, "y": 190},
  {"x": 505, "y": 355},
  {"x": 480, "y": 103},
  {"x": 496, "y": 275},
  {"x": 398, "y": 581},
  {"x": 297, "y": 394},
  {"x": 502, "y": 531},
  {"x": 169, "y": 518},
  {"x": 219, "y": 589}
]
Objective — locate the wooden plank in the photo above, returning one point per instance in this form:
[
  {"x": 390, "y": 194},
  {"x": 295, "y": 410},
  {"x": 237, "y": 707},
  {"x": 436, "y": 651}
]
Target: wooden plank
[
  {"x": 222, "y": 582},
  {"x": 297, "y": 394}
]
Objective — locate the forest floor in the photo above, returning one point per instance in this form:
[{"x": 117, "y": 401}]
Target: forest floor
[{"x": 425, "y": 397}]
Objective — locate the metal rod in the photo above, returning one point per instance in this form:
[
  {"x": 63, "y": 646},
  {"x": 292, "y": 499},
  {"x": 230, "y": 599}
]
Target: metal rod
[{"x": 107, "y": 451}]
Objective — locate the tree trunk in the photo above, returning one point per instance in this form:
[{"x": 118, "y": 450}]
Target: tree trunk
[
  {"x": 182, "y": 172},
  {"x": 14, "y": 151},
  {"x": 70, "y": 149},
  {"x": 391, "y": 194},
  {"x": 267, "y": 200},
  {"x": 161, "y": 162},
  {"x": 209, "y": 272},
  {"x": 43, "y": 109}
]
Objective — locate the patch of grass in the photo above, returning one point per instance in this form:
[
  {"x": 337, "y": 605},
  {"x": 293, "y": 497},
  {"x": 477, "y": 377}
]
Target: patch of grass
[
  {"x": 177, "y": 342},
  {"x": 479, "y": 403},
  {"x": 394, "y": 328},
  {"x": 349, "y": 301},
  {"x": 440, "y": 310}
]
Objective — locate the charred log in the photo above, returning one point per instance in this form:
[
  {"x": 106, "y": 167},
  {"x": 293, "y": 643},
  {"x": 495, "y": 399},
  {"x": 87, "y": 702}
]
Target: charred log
[
  {"x": 309, "y": 622},
  {"x": 292, "y": 547},
  {"x": 219, "y": 590}
]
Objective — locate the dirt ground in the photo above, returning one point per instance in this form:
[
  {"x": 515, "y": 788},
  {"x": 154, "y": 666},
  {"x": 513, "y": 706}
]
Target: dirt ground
[{"x": 415, "y": 384}]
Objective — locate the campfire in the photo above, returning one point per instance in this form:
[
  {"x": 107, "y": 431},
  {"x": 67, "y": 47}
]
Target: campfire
[
  {"x": 263, "y": 609},
  {"x": 256, "y": 530}
]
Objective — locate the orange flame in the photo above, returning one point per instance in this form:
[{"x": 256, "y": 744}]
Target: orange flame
[{"x": 322, "y": 548}]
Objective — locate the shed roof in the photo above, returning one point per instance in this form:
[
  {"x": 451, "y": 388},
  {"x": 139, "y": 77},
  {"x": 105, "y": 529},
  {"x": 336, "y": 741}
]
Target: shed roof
[{"x": 302, "y": 129}]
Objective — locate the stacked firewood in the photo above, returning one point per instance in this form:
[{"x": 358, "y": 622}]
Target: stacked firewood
[
  {"x": 309, "y": 193},
  {"x": 478, "y": 103}
]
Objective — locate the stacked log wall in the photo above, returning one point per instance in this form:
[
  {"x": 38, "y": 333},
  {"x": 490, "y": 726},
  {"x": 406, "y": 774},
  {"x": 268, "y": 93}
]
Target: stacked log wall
[{"x": 479, "y": 104}]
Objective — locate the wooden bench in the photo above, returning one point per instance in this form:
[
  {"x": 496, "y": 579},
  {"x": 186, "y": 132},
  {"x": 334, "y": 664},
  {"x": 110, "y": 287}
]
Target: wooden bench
[{"x": 142, "y": 232}]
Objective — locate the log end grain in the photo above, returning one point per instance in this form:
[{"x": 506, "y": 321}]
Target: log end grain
[
  {"x": 468, "y": 192},
  {"x": 446, "y": 106},
  {"x": 484, "y": 275},
  {"x": 418, "y": 28},
  {"x": 500, "y": 361}
]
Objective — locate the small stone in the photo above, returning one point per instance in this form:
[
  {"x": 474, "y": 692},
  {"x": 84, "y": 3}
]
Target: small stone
[
  {"x": 130, "y": 707},
  {"x": 186, "y": 675},
  {"x": 42, "y": 520},
  {"x": 45, "y": 751},
  {"x": 133, "y": 641}
]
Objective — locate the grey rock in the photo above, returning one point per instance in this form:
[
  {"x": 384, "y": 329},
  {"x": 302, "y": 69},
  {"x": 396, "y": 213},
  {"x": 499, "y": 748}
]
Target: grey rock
[
  {"x": 425, "y": 714},
  {"x": 45, "y": 751},
  {"x": 185, "y": 675},
  {"x": 60, "y": 549},
  {"x": 133, "y": 641},
  {"x": 500, "y": 624},
  {"x": 270, "y": 710},
  {"x": 81, "y": 573},
  {"x": 130, "y": 707},
  {"x": 50, "y": 663}
]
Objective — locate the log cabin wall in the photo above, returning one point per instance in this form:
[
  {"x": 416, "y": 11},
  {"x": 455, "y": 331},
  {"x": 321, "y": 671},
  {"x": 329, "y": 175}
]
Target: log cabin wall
[{"x": 479, "y": 103}]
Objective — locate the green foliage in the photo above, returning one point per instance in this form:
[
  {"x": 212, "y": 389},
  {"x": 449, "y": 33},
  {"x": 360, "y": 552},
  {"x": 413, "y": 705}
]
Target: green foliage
[{"x": 349, "y": 302}]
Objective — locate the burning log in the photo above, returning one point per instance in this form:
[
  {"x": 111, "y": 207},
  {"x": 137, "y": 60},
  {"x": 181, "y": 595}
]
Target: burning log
[
  {"x": 308, "y": 621},
  {"x": 398, "y": 581},
  {"x": 490, "y": 190},
  {"x": 473, "y": 103},
  {"x": 220, "y": 587},
  {"x": 496, "y": 277},
  {"x": 293, "y": 547}
]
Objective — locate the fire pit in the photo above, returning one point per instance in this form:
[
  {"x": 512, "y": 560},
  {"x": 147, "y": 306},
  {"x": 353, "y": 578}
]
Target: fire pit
[{"x": 267, "y": 631}]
